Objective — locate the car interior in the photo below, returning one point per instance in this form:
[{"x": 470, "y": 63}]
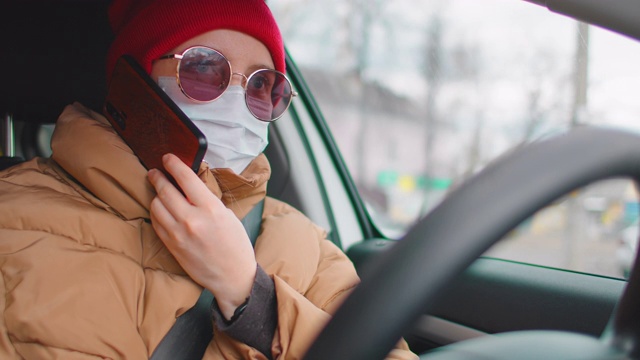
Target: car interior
[{"x": 55, "y": 57}]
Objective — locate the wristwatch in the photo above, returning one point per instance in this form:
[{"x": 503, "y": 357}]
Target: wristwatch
[{"x": 236, "y": 314}]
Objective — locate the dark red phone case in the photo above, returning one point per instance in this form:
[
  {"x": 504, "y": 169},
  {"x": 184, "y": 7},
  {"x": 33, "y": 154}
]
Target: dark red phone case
[{"x": 148, "y": 120}]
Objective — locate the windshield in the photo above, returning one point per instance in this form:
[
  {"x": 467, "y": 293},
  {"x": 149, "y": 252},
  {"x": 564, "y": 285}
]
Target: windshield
[{"x": 420, "y": 95}]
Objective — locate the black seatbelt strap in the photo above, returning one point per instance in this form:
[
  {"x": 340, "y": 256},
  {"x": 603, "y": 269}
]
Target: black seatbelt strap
[
  {"x": 189, "y": 336},
  {"x": 252, "y": 222}
]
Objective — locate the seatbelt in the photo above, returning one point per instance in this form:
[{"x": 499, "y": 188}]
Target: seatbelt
[{"x": 189, "y": 336}]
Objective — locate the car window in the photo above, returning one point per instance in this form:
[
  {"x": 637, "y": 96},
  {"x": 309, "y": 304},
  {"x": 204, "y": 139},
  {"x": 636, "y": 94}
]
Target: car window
[{"x": 422, "y": 95}]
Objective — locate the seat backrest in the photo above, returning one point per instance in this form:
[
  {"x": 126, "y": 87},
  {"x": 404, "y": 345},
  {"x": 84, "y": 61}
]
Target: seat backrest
[
  {"x": 53, "y": 54},
  {"x": 8, "y": 161}
]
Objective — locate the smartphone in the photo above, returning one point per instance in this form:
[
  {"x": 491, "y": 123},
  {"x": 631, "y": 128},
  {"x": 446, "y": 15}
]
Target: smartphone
[{"x": 148, "y": 120}]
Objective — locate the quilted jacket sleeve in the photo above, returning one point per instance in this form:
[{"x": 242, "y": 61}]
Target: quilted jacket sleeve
[
  {"x": 308, "y": 313},
  {"x": 312, "y": 277}
]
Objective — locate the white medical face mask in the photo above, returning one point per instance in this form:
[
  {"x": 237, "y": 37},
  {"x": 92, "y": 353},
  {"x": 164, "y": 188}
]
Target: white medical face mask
[{"x": 234, "y": 136}]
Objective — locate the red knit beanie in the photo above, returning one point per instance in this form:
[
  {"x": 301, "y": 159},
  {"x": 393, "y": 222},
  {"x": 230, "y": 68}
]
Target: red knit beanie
[{"x": 148, "y": 29}]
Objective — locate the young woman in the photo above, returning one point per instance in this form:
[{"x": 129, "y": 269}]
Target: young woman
[{"x": 99, "y": 256}]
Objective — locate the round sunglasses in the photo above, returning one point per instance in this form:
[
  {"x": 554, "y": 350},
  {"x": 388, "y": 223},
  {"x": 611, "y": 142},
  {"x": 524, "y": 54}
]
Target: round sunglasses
[{"x": 204, "y": 74}]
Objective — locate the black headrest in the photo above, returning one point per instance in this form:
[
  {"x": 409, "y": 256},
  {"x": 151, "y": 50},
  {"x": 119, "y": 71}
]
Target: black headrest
[{"x": 53, "y": 53}]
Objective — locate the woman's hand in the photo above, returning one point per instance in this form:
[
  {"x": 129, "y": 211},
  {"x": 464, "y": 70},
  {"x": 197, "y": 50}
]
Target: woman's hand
[{"x": 205, "y": 237}]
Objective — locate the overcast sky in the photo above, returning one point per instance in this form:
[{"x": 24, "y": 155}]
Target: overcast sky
[{"x": 507, "y": 31}]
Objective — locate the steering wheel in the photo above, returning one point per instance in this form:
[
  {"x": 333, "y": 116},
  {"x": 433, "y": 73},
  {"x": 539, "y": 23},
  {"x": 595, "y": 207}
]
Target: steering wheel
[{"x": 475, "y": 216}]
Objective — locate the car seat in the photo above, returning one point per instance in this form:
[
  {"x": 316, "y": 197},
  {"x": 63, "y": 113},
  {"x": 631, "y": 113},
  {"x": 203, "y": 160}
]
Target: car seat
[{"x": 54, "y": 52}]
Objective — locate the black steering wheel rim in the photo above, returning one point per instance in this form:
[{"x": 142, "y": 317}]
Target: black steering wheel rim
[{"x": 464, "y": 226}]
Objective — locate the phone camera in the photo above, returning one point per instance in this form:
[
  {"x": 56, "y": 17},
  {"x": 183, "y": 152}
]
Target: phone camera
[{"x": 117, "y": 116}]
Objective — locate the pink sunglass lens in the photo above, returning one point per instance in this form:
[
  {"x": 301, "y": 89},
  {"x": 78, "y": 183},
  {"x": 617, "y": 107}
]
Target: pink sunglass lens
[
  {"x": 268, "y": 95},
  {"x": 204, "y": 74}
]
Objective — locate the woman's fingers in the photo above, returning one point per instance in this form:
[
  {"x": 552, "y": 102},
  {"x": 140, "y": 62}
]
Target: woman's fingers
[
  {"x": 192, "y": 187},
  {"x": 161, "y": 218},
  {"x": 205, "y": 237},
  {"x": 172, "y": 201}
]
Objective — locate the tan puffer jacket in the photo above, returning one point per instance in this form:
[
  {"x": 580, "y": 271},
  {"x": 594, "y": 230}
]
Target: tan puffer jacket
[{"x": 85, "y": 276}]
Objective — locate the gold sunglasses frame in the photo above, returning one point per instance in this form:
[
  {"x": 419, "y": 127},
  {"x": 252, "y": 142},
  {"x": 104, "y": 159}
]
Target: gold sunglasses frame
[{"x": 180, "y": 56}]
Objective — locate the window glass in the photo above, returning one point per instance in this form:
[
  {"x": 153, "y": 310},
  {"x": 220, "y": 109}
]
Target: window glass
[{"x": 420, "y": 95}]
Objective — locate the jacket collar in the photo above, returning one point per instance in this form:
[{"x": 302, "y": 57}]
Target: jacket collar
[{"x": 87, "y": 148}]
